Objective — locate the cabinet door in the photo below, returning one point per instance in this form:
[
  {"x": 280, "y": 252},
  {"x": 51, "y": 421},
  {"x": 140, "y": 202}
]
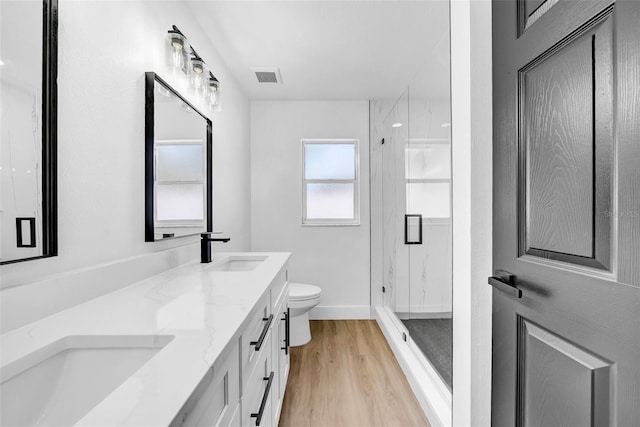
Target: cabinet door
[
  {"x": 235, "y": 418},
  {"x": 253, "y": 342},
  {"x": 216, "y": 398}
]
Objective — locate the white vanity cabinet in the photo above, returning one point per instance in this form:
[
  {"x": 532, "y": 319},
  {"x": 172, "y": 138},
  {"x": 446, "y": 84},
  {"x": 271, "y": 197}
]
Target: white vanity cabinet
[
  {"x": 263, "y": 378},
  {"x": 246, "y": 385}
]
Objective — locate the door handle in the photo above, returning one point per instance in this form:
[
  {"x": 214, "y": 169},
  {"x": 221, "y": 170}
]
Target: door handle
[{"x": 506, "y": 282}]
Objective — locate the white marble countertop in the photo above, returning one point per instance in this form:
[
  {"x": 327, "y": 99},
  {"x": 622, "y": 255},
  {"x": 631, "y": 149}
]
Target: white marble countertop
[{"x": 201, "y": 308}]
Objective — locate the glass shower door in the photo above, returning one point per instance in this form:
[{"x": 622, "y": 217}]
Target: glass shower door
[
  {"x": 396, "y": 254},
  {"x": 416, "y": 226},
  {"x": 428, "y": 193}
]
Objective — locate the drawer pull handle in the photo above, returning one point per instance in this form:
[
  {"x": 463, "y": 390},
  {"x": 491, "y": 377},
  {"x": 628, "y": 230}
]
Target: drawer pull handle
[
  {"x": 286, "y": 319},
  {"x": 263, "y": 334},
  {"x": 265, "y": 396}
]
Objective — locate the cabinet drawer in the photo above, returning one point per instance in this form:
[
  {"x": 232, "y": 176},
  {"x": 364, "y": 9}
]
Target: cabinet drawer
[
  {"x": 257, "y": 400},
  {"x": 217, "y": 396},
  {"x": 253, "y": 339}
]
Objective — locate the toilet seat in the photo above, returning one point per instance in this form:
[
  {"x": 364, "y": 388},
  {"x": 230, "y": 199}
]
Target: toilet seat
[{"x": 303, "y": 292}]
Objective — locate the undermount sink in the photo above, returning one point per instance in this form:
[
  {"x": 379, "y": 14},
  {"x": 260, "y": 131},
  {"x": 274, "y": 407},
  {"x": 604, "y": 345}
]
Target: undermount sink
[
  {"x": 61, "y": 382},
  {"x": 239, "y": 263}
]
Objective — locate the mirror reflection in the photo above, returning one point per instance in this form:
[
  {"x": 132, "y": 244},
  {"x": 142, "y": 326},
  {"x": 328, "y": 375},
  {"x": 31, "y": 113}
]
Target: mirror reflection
[
  {"x": 178, "y": 151},
  {"x": 27, "y": 130}
]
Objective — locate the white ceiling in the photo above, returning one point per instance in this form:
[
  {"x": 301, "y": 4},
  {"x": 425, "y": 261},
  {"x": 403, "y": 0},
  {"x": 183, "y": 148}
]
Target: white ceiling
[{"x": 340, "y": 50}]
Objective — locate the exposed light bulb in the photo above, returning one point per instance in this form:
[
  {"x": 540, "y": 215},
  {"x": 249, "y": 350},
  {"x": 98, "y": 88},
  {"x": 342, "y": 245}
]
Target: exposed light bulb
[
  {"x": 396, "y": 125},
  {"x": 178, "y": 50},
  {"x": 199, "y": 73},
  {"x": 185, "y": 107}
]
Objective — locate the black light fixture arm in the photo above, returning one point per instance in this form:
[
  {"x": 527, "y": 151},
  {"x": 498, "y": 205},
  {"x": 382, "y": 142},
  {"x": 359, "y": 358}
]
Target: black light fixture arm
[{"x": 176, "y": 30}]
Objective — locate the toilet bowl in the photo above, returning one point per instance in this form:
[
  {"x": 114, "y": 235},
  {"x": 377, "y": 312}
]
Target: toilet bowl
[{"x": 302, "y": 298}]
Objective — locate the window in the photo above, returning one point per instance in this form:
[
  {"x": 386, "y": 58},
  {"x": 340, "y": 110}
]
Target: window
[
  {"x": 179, "y": 183},
  {"x": 330, "y": 182},
  {"x": 428, "y": 175}
]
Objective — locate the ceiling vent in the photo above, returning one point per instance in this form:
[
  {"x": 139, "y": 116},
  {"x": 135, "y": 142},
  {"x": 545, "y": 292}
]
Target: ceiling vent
[{"x": 267, "y": 75}]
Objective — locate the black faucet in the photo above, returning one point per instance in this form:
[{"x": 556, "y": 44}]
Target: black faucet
[{"x": 205, "y": 246}]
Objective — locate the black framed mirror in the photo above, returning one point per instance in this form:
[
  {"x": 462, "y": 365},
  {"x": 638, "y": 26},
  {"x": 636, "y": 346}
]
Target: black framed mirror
[
  {"x": 28, "y": 129},
  {"x": 178, "y": 164}
]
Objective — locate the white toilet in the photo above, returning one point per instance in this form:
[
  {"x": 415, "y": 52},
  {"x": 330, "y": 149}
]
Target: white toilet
[{"x": 302, "y": 298}]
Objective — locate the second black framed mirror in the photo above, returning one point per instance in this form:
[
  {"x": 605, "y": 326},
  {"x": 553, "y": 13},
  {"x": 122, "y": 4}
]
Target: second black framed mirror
[{"x": 178, "y": 164}]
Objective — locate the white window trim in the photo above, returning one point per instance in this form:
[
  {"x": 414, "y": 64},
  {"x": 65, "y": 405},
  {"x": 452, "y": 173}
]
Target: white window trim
[{"x": 337, "y": 222}]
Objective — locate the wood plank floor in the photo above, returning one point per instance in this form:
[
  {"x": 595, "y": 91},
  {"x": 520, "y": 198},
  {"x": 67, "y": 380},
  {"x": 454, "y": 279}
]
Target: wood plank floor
[{"x": 347, "y": 376}]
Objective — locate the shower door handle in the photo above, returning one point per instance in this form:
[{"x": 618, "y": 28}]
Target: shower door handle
[{"x": 413, "y": 229}]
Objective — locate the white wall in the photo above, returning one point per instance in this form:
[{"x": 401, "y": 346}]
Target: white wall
[
  {"x": 104, "y": 50},
  {"x": 471, "y": 99},
  {"x": 334, "y": 258}
]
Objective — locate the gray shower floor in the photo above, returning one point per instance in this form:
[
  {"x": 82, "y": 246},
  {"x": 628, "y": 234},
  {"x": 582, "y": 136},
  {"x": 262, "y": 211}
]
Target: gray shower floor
[{"x": 435, "y": 338}]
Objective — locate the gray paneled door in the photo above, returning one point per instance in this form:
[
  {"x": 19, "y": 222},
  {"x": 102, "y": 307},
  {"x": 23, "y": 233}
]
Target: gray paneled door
[{"x": 566, "y": 301}]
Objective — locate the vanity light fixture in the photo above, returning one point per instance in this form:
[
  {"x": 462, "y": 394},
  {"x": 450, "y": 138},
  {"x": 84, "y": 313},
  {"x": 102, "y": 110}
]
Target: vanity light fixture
[
  {"x": 178, "y": 50},
  {"x": 183, "y": 57},
  {"x": 199, "y": 76},
  {"x": 214, "y": 93}
]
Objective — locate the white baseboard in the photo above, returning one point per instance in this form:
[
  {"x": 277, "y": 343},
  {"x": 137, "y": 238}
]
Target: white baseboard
[
  {"x": 340, "y": 312},
  {"x": 426, "y": 315},
  {"x": 432, "y": 394},
  {"x": 424, "y": 308}
]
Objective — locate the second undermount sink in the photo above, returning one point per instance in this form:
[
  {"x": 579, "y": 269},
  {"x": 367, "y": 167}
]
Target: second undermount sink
[
  {"x": 239, "y": 263},
  {"x": 60, "y": 383}
]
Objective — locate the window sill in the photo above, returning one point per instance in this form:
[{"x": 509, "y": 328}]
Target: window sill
[{"x": 331, "y": 224}]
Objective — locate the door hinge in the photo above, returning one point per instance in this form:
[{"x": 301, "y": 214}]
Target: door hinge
[
  {"x": 383, "y": 290},
  {"x": 404, "y": 337}
]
